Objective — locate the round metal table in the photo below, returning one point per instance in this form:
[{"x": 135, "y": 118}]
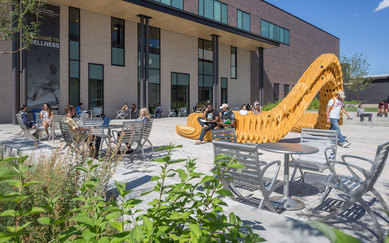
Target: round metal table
[{"x": 288, "y": 148}]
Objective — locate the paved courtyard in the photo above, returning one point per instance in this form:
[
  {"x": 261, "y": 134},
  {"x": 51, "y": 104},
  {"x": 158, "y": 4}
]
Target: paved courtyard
[{"x": 286, "y": 227}]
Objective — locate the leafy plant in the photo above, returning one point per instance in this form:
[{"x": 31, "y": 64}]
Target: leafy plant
[{"x": 270, "y": 106}]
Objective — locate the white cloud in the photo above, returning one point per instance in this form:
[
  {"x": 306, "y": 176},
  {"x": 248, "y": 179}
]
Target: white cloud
[{"x": 383, "y": 4}]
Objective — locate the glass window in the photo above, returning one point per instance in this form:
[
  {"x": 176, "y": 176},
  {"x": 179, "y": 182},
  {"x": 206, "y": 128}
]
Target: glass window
[
  {"x": 214, "y": 9},
  {"x": 178, "y": 4},
  {"x": 274, "y": 32},
  {"x": 74, "y": 56},
  {"x": 117, "y": 41},
  {"x": 224, "y": 13},
  {"x": 243, "y": 20},
  {"x": 286, "y": 90},
  {"x": 234, "y": 62},
  {"x": 217, "y": 11},
  {"x": 180, "y": 91},
  {"x": 154, "y": 67},
  {"x": 96, "y": 86},
  {"x": 276, "y": 92},
  {"x": 74, "y": 50},
  {"x": 168, "y": 2},
  {"x": 224, "y": 90},
  {"x": 205, "y": 71}
]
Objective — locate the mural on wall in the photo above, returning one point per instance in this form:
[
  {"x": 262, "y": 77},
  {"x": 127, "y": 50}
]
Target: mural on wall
[{"x": 43, "y": 61}]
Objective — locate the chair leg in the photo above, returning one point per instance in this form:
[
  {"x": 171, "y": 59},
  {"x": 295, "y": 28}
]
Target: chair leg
[
  {"x": 326, "y": 193},
  {"x": 378, "y": 195},
  {"x": 372, "y": 215},
  {"x": 152, "y": 148}
]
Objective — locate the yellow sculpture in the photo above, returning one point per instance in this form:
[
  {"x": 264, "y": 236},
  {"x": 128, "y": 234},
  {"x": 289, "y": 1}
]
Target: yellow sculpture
[{"x": 324, "y": 75}]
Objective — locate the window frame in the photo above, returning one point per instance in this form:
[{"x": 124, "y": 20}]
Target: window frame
[
  {"x": 221, "y": 89},
  {"x": 201, "y": 10},
  {"x": 171, "y": 85},
  {"x": 276, "y": 97},
  {"x": 124, "y": 43},
  {"x": 286, "y": 86}
]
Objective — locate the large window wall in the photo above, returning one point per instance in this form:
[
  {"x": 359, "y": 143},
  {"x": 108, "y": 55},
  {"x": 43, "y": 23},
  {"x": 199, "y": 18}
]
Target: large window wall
[
  {"x": 205, "y": 71},
  {"x": 117, "y": 41},
  {"x": 224, "y": 90},
  {"x": 274, "y": 32},
  {"x": 180, "y": 91},
  {"x": 74, "y": 56},
  {"x": 174, "y": 3},
  {"x": 154, "y": 67},
  {"x": 243, "y": 20},
  {"x": 213, "y": 9}
]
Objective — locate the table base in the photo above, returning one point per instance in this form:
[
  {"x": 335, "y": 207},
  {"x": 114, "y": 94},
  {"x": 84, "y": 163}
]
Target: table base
[{"x": 288, "y": 203}]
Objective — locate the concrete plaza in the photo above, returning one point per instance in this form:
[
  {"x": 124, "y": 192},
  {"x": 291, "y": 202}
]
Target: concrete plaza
[{"x": 288, "y": 226}]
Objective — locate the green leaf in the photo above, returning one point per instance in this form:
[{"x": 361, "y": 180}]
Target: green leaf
[
  {"x": 232, "y": 218},
  {"x": 196, "y": 231},
  {"x": 237, "y": 165},
  {"x": 82, "y": 219},
  {"x": 32, "y": 183},
  {"x": 113, "y": 215},
  {"x": 221, "y": 157},
  {"x": 148, "y": 224},
  {"x": 207, "y": 179},
  {"x": 117, "y": 225},
  {"x": 45, "y": 220},
  {"x": 6, "y": 173},
  {"x": 94, "y": 167},
  {"x": 334, "y": 235},
  {"x": 175, "y": 161},
  {"x": 136, "y": 234},
  {"x": 13, "y": 182},
  {"x": 8, "y": 159},
  {"x": 224, "y": 192},
  {"x": 9, "y": 212},
  {"x": 88, "y": 235},
  {"x": 35, "y": 210},
  {"x": 182, "y": 174},
  {"x": 82, "y": 169}
]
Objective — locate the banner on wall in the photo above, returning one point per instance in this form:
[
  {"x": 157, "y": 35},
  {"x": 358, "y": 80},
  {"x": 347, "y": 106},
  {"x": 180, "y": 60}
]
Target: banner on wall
[{"x": 43, "y": 84}]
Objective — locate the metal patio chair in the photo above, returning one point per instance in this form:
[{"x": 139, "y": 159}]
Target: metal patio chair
[
  {"x": 325, "y": 141},
  {"x": 26, "y": 131},
  {"x": 226, "y": 135},
  {"x": 146, "y": 134},
  {"x": 130, "y": 133},
  {"x": 182, "y": 112},
  {"x": 353, "y": 186},
  {"x": 172, "y": 113},
  {"x": 252, "y": 177}
]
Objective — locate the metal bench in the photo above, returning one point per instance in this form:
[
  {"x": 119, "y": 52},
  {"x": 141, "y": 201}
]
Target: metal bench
[
  {"x": 227, "y": 135},
  {"x": 325, "y": 141},
  {"x": 67, "y": 136},
  {"x": 252, "y": 177},
  {"x": 353, "y": 186}
]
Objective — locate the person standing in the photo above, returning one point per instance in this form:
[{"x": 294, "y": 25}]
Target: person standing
[
  {"x": 334, "y": 107},
  {"x": 207, "y": 121}
]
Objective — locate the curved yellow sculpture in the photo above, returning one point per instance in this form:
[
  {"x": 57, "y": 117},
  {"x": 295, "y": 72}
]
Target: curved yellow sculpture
[{"x": 324, "y": 75}]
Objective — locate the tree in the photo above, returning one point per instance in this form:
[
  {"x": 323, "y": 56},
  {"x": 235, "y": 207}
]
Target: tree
[
  {"x": 20, "y": 18},
  {"x": 355, "y": 73}
]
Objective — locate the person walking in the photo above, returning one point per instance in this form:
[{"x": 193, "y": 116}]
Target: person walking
[{"x": 334, "y": 107}]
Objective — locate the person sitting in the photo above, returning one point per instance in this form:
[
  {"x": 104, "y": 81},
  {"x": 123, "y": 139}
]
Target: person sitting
[
  {"x": 202, "y": 109},
  {"x": 227, "y": 118},
  {"x": 382, "y": 109},
  {"x": 25, "y": 120},
  {"x": 80, "y": 109},
  {"x": 257, "y": 109},
  {"x": 361, "y": 113},
  {"x": 124, "y": 112},
  {"x": 207, "y": 121},
  {"x": 134, "y": 110},
  {"x": 196, "y": 107},
  {"x": 47, "y": 117},
  {"x": 158, "y": 111},
  {"x": 144, "y": 115},
  {"x": 80, "y": 133},
  {"x": 244, "y": 110}
]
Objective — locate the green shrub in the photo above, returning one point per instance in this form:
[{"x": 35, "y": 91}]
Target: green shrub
[
  {"x": 314, "y": 104},
  {"x": 270, "y": 106},
  {"x": 180, "y": 213},
  {"x": 351, "y": 102}
]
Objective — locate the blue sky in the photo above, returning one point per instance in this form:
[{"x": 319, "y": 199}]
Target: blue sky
[{"x": 361, "y": 25}]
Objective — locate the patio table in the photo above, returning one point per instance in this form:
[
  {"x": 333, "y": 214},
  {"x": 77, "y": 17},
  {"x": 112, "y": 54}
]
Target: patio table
[{"x": 288, "y": 148}]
